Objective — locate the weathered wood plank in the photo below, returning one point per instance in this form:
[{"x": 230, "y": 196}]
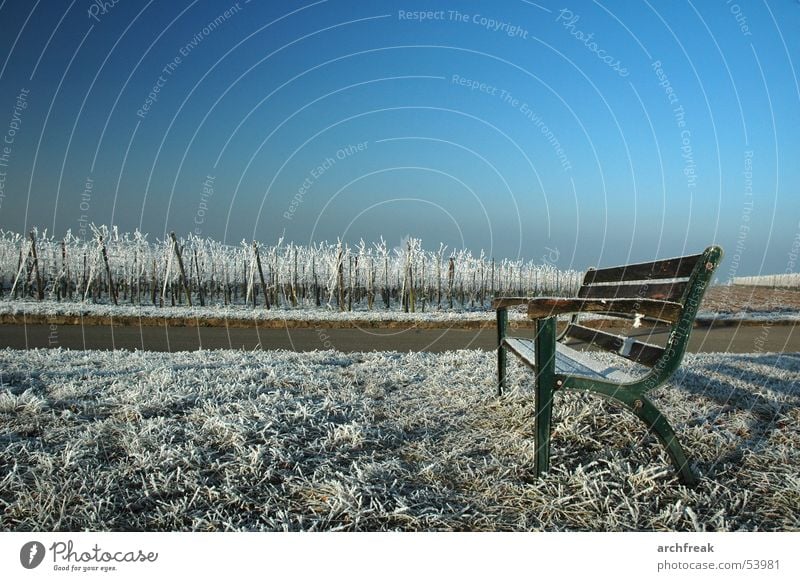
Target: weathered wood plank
[
  {"x": 670, "y": 268},
  {"x": 663, "y": 291},
  {"x": 522, "y": 348},
  {"x": 637, "y": 351},
  {"x": 505, "y": 302},
  {"x": 547, "y": 307},
  {"x": 569, "y": 361}
]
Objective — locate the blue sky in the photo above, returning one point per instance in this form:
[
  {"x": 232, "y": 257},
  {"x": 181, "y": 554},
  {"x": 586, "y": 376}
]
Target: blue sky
[{"x": 608, "y": 131}]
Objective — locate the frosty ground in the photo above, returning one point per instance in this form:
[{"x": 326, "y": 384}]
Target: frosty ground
[
  {"x": 87, "y": 313},
  {"x": 277, "y": 440}
]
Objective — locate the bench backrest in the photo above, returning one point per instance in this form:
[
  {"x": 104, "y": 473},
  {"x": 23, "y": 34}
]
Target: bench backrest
[{"x": 680, "y": 281}]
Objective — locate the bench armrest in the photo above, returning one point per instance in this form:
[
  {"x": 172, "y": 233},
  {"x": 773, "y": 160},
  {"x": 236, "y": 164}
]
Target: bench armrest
[
  {"x": 505, "y": 302},
  {"x": 543, "y": 307}
]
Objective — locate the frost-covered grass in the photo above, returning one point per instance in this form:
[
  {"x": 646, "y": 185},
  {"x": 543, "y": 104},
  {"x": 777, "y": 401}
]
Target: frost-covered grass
[
  {"x": 230, "y": 440},
  {"x": 219, "y": 314},
  {"x": 242, "y": 313},
  {"x": 786, "y": 317}
]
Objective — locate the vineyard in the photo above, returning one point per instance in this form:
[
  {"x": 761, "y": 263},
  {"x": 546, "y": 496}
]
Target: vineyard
[
  {"x": 127, "y": 268},
  {"x": 786, "y": 280}
]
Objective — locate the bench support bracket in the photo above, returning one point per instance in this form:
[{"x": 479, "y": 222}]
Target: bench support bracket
[
  {"x": 658, "y": 424},
  {"x": 648, "y": 413}
]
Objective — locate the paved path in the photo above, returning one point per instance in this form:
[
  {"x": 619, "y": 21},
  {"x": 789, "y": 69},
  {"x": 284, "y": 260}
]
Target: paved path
[{"x": 716, "y": 339}]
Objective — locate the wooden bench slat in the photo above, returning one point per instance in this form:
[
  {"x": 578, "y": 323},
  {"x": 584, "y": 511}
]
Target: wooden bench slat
[
  {"x": 547, "y": 307},
  {"x": 681, "y": 267},
  {"x": 638, "y": 351},
  {"x": 664, "y": 291},
  {"x": 569, "y": 361},
  {"x": 523, "y": 348}
]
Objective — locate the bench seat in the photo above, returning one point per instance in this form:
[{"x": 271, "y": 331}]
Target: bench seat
[{"x": 569, "y": 361}]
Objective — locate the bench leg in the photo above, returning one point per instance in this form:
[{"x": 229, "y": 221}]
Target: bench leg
[
  {"x": 545, "y": 345},
  {"x": 658, "y": 424},
  {"x": 502, "y": 322}
]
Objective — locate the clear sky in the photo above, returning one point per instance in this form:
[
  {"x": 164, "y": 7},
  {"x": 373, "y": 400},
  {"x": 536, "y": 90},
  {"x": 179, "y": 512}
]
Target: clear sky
[{"x": 587, "y": 132}]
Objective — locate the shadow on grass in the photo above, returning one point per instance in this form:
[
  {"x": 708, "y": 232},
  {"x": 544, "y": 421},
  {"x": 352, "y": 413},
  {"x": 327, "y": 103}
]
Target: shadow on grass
[{"x": 764, "y": 413}]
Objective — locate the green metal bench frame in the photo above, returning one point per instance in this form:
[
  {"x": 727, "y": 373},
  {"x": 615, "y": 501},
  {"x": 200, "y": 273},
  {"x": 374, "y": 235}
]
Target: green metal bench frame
[{"x": 633, "y": 291}]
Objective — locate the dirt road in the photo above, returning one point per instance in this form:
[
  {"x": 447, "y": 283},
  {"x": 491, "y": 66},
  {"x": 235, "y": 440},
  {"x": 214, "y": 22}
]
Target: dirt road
[{"x": 733, "y": 339}]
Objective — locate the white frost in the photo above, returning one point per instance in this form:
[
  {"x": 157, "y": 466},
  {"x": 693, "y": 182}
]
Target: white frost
[{"x": 278, "y": 440}]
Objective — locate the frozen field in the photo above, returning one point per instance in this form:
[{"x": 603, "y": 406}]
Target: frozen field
[
  {"x": 218, "y": 315},
  {"x": 277, "y": 440},
  {"x": 231, "y": 315}
]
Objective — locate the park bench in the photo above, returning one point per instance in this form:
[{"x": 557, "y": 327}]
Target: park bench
[{"x": 665, "y": 292}]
